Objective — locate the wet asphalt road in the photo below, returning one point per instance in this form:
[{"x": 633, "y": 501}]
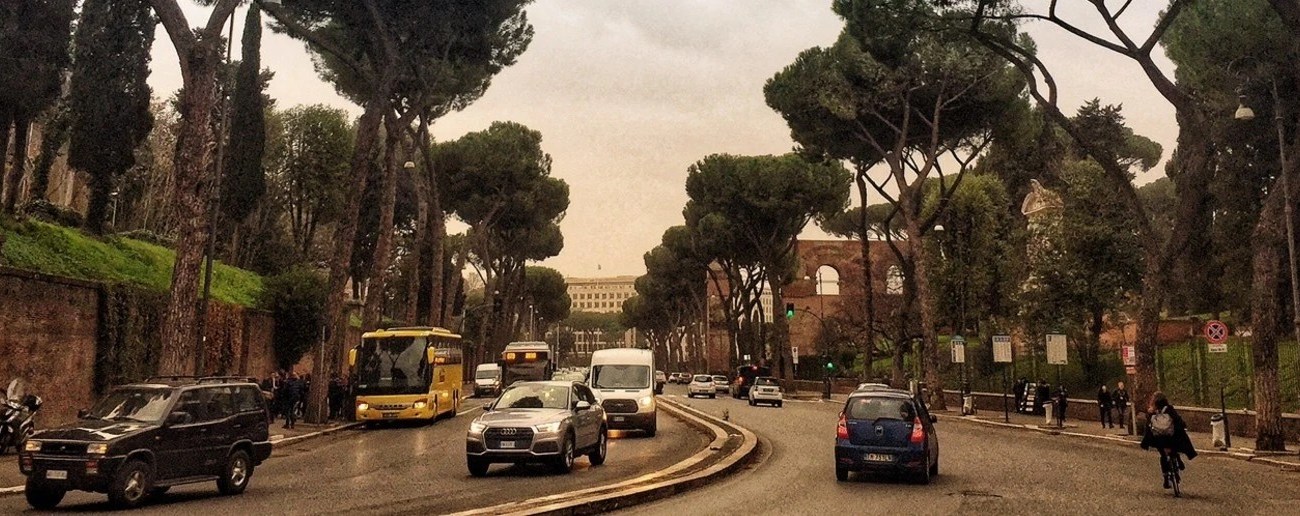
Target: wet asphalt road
[
  {"x": 983, "y": 470},
  {"x": 402, "y": 470}
]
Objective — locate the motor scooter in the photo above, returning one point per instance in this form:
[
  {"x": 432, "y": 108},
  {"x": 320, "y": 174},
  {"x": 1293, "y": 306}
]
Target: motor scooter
[{"x": 17, "y": 412}]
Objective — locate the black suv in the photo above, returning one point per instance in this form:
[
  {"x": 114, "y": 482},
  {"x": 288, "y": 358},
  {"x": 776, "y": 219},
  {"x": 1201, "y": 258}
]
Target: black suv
[{"x": 141, "y": 439}]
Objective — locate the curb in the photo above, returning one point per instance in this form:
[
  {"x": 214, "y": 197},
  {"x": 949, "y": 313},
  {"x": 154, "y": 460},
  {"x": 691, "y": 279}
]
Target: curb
[
  {"x": 1264, "y": 458},
  {"x": 601, "y": 499},
  {"x": 276, "y": 443}
]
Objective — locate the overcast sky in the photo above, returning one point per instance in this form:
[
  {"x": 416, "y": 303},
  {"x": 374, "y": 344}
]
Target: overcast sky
[{"x": 628, "y": 93}]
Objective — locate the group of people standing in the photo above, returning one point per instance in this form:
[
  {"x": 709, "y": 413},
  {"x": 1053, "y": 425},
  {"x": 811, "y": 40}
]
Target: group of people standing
[
  {"x": 286, "y": 393},
  {"x": 1112, "y": 402}
]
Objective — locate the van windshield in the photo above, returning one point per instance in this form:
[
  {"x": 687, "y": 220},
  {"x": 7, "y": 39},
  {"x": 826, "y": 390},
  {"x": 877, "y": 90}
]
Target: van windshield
[
  {"x": 611, "y": 376},
  {"x": 487, "y": 374}
]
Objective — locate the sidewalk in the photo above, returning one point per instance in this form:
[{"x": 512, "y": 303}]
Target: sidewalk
[
  {"x": 11, "y": 478},
  {"x": 1241, "y": 449}
]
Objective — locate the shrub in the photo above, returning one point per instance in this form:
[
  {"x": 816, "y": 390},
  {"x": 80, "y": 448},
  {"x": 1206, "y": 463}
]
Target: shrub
[
  {"x": 297, "y": 300},
  {"x": 42, "y": 209}
]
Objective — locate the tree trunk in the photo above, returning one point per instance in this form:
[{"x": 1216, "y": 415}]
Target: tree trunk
[
  {"x": 1268, "y": 311},
  {"x": 101, "y": 185},
  {"x": 14, "y": 179},
  {"x": 868, "y": 293},
  {"x": 929, "y": 339},
  {"x": 1088, "y": 358},
  {"x": 193, "y": 166},
  {"x": 6, "y": 124},
  {"x": 900, "y": 374},
  {"x": 329, "y": 350},
  {"x": 52, "y": 142},
  {"x": 436, "y": 232},
  {"x": 412, "y": 315},
  {"x": 377, "y": 279}
]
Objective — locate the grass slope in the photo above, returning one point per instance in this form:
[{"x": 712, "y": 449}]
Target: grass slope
[{"x": 61, "y": 251}]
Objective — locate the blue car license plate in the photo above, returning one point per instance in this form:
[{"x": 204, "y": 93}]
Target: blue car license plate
[{"x": 880, "y": 457}]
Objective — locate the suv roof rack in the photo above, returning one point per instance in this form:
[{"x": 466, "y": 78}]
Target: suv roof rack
[{"x": 200, "y": 379}]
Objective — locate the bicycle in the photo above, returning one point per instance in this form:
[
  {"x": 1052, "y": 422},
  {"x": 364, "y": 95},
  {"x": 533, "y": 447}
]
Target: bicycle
[{"x": 1171, "y": 463}]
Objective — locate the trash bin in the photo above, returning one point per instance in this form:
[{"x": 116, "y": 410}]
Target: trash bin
[
  {"x": 967, "y": 404},
  {"x": 1218, "y": 432},
  {"x": 1049, "y": 412}
]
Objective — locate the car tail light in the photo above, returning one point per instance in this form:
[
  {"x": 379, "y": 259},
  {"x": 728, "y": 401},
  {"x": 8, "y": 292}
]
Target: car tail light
[
  {"x": 918, "y": 432},
  {"x": 842, "y": 429}
]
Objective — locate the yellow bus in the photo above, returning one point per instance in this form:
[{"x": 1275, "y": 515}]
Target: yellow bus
[{"x": 407, "y": 374}]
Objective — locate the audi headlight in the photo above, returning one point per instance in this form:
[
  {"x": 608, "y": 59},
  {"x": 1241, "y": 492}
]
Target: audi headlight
[
  {"x": 647, "y": 401},
  {"x": 419, "y": 405},
  {"x": 547, "y": 428},
  {"x": 32, "y": 445},
  {"x": 362, "y": 407},
  {"x": 97, "y": 449},
  {"x": 477, "y": 427}
]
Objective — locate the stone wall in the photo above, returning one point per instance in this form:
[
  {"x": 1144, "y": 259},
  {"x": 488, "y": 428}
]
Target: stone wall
[{"x": 69, "y": 339}]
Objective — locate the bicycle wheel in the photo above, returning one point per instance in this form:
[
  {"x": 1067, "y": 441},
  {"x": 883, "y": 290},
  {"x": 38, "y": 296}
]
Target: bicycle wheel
[{"x": 1175, "y": 481}]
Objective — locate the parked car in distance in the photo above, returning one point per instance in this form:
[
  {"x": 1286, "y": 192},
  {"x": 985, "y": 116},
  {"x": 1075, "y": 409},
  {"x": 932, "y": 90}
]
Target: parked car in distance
[
  {"x": 886, "y": 431},
  {"x": 660, "y": 380},
  {"x": 701, "y": 385},
  {"x": 683, "y": 378},
  {"x": 720, "y": 383},
  {"x": 548, "y": 422},
  {"x": 142, "y": 439},
  {"x": 765, "y": 390}
]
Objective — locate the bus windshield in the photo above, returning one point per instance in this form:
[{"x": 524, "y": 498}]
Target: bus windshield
[{"x": 392, "y": 365}]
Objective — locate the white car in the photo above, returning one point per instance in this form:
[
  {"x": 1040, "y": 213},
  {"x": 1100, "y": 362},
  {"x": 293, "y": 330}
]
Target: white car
[
  {"x": 721, "y": 383},
  {"x": 701, "y": 385},
  {"x": 765, "y": 390}
]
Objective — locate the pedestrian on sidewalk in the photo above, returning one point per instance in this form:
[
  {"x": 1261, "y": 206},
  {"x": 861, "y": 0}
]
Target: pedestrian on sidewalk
[
  {"x": 1062, "y": 400},
  {"x": 1120, "y": 398},
  {"x": 270, "y": 386},
  {"x": 335, "y": 395},
  {"x": 1104, "y": 405},
  {"x": 1043, "y": 395},
  {"x": 1167, "y": 433},
  {"x": 1019, "y": 392},
  {"x": 292, "y": 389}
]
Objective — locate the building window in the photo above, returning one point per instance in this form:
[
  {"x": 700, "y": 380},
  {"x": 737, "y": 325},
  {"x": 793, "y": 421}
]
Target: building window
[{"x": 828, "y": 281}]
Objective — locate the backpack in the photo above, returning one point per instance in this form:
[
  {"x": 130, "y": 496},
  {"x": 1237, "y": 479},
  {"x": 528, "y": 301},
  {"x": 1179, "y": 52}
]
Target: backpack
[{"x": 1162, "y": 424}]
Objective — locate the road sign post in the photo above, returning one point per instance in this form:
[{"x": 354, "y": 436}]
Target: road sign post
[
  {"x": 959, "y": 357},
  {"x": 1057, "y": 354},
  {"x": 1002, "y": 355},
  {"x": 1216, "y": 338}
]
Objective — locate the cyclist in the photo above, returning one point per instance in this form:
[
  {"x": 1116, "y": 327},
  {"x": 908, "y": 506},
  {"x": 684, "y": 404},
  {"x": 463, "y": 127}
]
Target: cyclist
[{"x": 1167, "y": 433}]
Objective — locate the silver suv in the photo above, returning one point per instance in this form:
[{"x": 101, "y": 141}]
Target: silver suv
[{"x": 538, "y": 422}]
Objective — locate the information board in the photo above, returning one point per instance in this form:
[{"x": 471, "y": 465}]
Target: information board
[{"x": 1056, "y": 349}]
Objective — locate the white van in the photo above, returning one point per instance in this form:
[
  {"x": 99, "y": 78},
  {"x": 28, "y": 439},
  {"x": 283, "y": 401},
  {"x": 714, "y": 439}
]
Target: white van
[
  {"x": 624, "y": 381},
  {"x": 487, "y": 380}
]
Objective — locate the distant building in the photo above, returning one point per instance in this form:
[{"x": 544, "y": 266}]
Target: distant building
[{"x": 600, "y": 295}]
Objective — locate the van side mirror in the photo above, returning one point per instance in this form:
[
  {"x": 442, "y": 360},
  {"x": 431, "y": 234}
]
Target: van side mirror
[
  {"x": 581, "y": 405},
  {"x": 430, "y": 355},
  {"x": 352, "y": 357}
]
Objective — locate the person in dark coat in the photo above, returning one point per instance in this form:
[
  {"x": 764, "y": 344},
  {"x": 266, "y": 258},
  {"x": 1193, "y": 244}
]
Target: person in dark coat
[
  {"x": 1041, "y": 397},
  {"x": 270, "y": 386},
  {"x": 1062, "y": 401},
  {"x": 1176, "y": 444},
  {"x": 1019, "y": 392},
  {"x": 1120, "y": 398},
  {"x": 291, "y": 394},
  {"x": 1104, "y": 406},
  {"x": 335, "y": 395}
]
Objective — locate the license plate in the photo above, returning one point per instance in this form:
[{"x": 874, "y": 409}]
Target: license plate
[
  {"x": 507, "y": 445},
  {"x": 55, "y": 474},
  {"x": 879, "y": 457},
  {"x": 619, "y": 419},
  {"x": 390, "y": 415}
]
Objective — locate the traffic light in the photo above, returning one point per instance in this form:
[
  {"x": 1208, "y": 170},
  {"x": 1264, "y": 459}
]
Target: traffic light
[
  {"x": 789, "y": 310},
  {"x": 830, "y": 366}
]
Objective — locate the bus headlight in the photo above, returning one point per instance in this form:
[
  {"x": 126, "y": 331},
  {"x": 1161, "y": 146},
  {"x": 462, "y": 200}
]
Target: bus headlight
[
  {"x": 362, "y": 407},
  {"x": 419, "y": 405}
]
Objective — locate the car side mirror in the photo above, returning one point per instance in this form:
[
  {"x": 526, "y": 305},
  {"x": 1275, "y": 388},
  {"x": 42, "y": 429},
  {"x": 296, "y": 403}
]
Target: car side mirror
[
  {"x": 179, "y": 417},
  {"x": 934, "y": 418},
  {"x": 581, "y": 406}
]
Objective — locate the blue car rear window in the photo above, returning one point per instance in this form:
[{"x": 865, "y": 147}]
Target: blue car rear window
[{"x": 872, "y": 409}]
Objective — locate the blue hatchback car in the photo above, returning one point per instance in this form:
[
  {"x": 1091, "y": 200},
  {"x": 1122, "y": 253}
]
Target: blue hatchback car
[{"x": 886, "y": 431}]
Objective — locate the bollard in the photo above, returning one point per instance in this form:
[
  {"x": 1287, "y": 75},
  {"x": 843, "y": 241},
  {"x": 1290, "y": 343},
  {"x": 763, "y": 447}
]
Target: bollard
[
  {"x": 1218, "y": 432},
  {"x": 1049, "y": 411}
]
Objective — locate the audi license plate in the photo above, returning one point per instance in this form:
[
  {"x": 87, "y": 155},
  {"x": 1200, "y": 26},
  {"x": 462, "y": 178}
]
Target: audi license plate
[
  {"x": 879, "y": 457},
  {"x": 507, "y": 445},
  {"x": 56, "y": 474},
  {"x": 390, "y": 415},
  {"x": 619, "y": 419}
]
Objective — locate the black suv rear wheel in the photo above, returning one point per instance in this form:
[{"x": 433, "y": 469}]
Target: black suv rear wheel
[
  {"x": 235, "y": 476},
  {"x": 42, "y": 495},
  {"x": 131, "y": 484}
]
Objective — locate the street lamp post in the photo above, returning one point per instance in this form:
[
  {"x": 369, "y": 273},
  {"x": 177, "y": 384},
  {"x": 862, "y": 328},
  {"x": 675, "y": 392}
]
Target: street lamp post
[{"x": 1244, "y": 112}]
